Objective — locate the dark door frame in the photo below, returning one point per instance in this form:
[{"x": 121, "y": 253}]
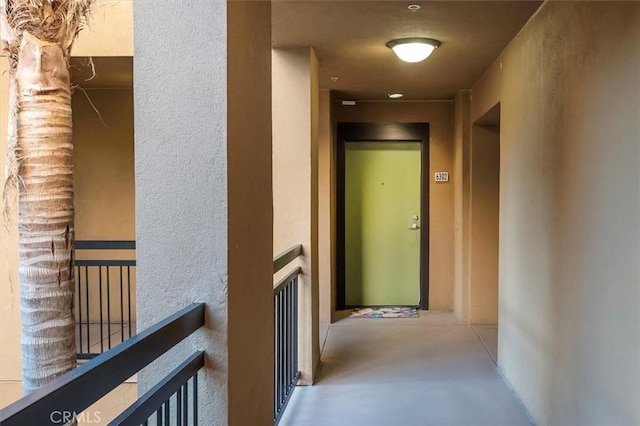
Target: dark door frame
[{"x": 383, "y": 132}]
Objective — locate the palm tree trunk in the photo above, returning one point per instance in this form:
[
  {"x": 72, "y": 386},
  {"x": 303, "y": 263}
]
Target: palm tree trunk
[
  {"x": 45, "y": 212},
  {"x": 37, "y": 36}
]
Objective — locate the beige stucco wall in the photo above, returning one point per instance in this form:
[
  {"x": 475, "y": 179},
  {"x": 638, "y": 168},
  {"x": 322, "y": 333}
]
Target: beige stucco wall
[
  {"x": 439, "y": 115},
  {"x": 103, "y": 164},
  {"x": 326, "y": 209},
  {"x": 461, "y": 169},
  {"x": 476, "y": 212},
  {"x": 250, "y": 315},
  {"x": 569, "y": 276},
  {"x": 109, "y": 31},
  {"x": 483, "y": 225},
  {"x": 104, "y": 183},
  {"x": 295, "y": 184}
]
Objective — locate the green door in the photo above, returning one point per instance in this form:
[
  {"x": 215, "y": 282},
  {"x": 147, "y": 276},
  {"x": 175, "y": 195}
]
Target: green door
[{"x": 382, "y": 223}]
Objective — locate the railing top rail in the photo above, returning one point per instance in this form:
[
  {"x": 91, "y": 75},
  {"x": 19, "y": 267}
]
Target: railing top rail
[
  {"x": 286, "y": 280},
  {"x": 284, "y": 258},
  {"x": 108, "y": 262},
  {"x": 81, "y": 387},
  {"x": 104, "y": 245}
]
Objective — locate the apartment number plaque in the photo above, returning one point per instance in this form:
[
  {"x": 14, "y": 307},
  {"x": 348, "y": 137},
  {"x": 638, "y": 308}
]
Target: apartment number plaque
[{"x": 442, "y": 176}]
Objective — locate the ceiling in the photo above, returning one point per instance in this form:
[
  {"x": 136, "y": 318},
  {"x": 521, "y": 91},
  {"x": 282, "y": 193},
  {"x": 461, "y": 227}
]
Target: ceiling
[{"x": 349, "y": 39}]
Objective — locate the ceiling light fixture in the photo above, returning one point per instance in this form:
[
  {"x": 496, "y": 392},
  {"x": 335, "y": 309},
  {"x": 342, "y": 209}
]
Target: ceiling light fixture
[
  {"x": 395, "y": 95},
  {"x": 414, "y": 49}
]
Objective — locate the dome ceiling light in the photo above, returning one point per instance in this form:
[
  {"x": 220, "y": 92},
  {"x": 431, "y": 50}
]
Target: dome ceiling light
[{"x": 413, "y": 49}]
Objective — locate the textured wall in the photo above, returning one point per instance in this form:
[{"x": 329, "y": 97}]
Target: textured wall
[
  {"x": 569, "y": 89},
  {"x": 439, "y": 115},
  {"x": 180, "y": 101},
  {"x": 203, "y": 195},
  {"x": 295, "y": 183}
]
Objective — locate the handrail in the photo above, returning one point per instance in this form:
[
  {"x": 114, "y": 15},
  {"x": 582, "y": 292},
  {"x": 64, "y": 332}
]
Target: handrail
[
  {"x": 286, "y": 280},
  {"x": 104, "y": 245},
  {"x": 148, "y": 404},
  {"x": 93, "y": 262},
  {"x": 283, "y": 259},
  {"x": 81, "y": 387}
]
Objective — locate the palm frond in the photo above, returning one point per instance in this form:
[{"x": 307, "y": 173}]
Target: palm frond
[{"x": 52, "y": 21}]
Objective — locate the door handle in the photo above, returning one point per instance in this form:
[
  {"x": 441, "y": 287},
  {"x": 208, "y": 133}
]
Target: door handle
[{"x": 414, "y": 227}]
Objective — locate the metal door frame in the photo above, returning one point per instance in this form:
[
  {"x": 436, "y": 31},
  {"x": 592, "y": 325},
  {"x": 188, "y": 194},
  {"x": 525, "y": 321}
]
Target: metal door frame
[{"x": 382, "y": 132}]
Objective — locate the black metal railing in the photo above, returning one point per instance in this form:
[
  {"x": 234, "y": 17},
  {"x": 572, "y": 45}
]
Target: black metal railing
[
  {"x": 105, "y": 292},
  {"x": 285, "y": 301},
  {"x": 169, "y": 402}
]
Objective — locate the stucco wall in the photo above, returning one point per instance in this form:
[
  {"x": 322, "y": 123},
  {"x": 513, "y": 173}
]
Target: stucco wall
[
  {"x": 104, "y": 186},
  {"x": 203, "y": 195},
  {"x": 461, "y": 204},
  {"x": 250, "y": 335},
  {"x": 569, "y": 88},
  {"x": 439, "y": 115},
  {"x": 103, "y": 164},
  {"x": 109, "y": 31},
  {"x": 295, "y": 184},
  {"x": 483, "y": 225},
  {"x": 180, "y": 100},
  {"x": 326, "y": 209}
]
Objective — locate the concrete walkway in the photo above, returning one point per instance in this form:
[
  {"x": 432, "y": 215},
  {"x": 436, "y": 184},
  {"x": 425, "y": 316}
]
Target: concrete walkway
[{"x": 424, "y": 371}]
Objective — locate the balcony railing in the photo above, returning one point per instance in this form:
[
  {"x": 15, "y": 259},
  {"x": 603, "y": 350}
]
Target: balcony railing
[
  {"x": 169, "y": 402},
  {"x": 285, "y": 301},
  {"x": 105, "y": 295},
  {"x": 175, "y": 399}
]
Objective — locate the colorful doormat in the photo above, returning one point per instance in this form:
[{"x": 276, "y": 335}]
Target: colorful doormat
[{"x": 385, "y": 312}]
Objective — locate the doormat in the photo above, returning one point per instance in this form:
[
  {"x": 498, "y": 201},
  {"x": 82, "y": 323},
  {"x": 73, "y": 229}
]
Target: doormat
[{"x": 385, "y": 312}]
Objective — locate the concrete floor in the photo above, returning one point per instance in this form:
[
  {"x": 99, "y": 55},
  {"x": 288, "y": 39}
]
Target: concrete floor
[
  {"x": 488, "y": 335},
  {"x": 424, "y": 371}
]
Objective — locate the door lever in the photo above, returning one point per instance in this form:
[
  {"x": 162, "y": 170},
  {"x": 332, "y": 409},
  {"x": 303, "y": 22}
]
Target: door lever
[{"x": 414, "y": 227}]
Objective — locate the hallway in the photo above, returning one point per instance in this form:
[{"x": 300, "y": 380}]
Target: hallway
[{"x": 425, "y": 371}]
